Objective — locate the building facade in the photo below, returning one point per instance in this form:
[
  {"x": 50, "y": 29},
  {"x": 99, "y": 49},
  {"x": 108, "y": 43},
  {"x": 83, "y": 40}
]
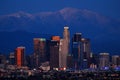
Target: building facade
[
  {"x": 76, "y": 50},
  {"x": 39, "y": 51},
  {"x": 20, "y": 56},
  {"x": 81, "y": 51},
  {"x": 85, "y": 56},
  {"x": 115, "y": 60},
  {"x": 12, "y": 58},
  {"x": 54, "y": 54},
  {"x": 103, "y": 60},
  {"x": 65, "y": 43}
]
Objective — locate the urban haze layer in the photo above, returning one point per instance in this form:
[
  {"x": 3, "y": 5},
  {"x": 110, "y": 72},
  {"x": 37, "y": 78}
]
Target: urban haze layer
[{"x": 60, "y": 59}]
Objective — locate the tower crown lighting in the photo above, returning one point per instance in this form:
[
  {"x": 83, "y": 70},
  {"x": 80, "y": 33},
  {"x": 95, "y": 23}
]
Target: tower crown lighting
[{"x": 66, "y": 27}]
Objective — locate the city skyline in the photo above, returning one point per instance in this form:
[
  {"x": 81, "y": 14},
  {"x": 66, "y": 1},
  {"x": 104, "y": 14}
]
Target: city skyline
[
  {"x": 59, "y": 39},
  {"x": 76, "y": 36},
  {"x": 55, "y": 53},
  {"x": 52, "y": 56}
]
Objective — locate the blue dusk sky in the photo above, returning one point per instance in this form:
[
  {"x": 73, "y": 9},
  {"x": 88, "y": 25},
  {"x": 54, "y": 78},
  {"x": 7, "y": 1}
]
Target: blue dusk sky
[{"x": 106, "y": 7}]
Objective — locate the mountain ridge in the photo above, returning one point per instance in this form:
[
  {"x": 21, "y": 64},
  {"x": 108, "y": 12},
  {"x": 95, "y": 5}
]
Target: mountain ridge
[
  {"x": 66, "y": 15},
  {"x": 102, "y": 30}
]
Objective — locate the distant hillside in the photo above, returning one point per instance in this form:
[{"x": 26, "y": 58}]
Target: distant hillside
[{"x": 103, "y": 31}]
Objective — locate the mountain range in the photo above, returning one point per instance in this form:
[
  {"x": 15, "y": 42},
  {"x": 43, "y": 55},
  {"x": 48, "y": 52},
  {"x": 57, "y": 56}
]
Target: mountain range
[{"x": 103, "y": 31}]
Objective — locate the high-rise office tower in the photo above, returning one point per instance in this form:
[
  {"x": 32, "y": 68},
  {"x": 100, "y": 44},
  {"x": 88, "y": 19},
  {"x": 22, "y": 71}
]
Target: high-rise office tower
[
  {"x": 61, "y": 55},
  {"x": 70, "y": 61},
  {"x": 19, "y": 56},
  {"x": 94, "y": 60},
  {"x": 12, "y": 58},
  {"x": 39, "y": 51},
  {"x": 77, "y": 37},
  {"x": 54, "y": 54},
  {"x": 76, "y": 50},
  {"x": 115, "y": 60},
  {"x": 85, "y": 56},
  {"x": 81, "y": 51},
  {"x": 103, "y": 60},
  {"x": 65, "y": 46}
]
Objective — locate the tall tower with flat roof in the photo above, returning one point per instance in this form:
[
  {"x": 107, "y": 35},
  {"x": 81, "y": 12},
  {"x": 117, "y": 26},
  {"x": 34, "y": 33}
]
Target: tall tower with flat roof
[
  {"x": 104, "y": 60},
  {"x": 76, "y": 50},
  {"x": 20, "y": 56},
  {"x": 65, "y": 46},
  {"x": 39, "y": 51},
  {"x": 85, "y": 53}
]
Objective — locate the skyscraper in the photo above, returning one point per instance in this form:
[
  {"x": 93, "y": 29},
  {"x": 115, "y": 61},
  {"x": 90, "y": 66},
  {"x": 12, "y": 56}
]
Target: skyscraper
[
  {"x": 77, "y": 37},
  {"x": 54, "y": 54},
  {"x": 85, "y": 56},
  {"x": 12, "y": 58},
  {"x": 39, "y": 51},
  {"x": 115, "y": 60},
  {"x": 76, "y": 50},
  {"x": 61, "y": 55},
  {"x": 65, "y": 46},
  {"x": 19, "y": 56},
  {"x": 104, "y": 60},
  {"x": 81, "y": 51},
  {"x": 70, "y": 61},
  {"x": 94, "y": 62}
]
